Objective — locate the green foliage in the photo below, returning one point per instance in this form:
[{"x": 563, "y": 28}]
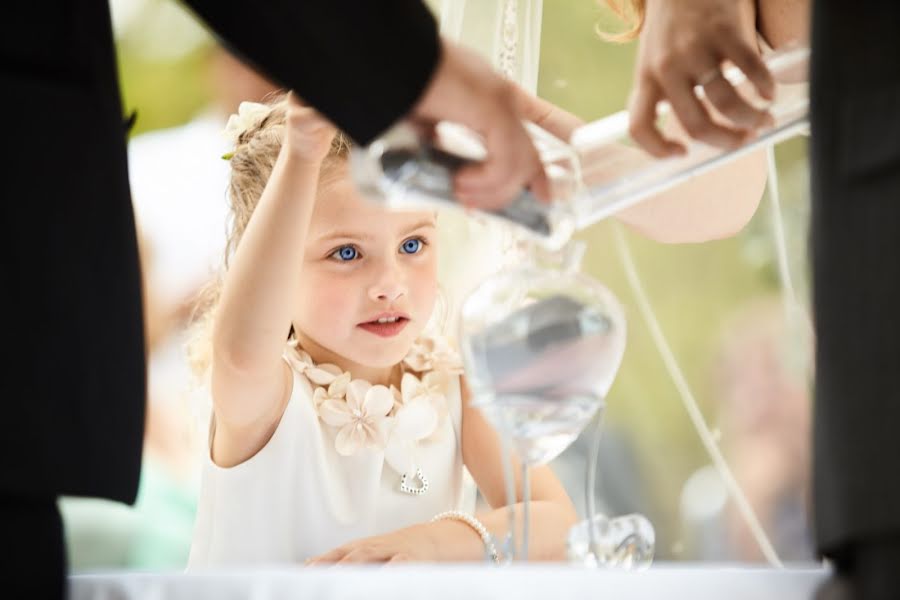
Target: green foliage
[{"x": 164, "y": 94}]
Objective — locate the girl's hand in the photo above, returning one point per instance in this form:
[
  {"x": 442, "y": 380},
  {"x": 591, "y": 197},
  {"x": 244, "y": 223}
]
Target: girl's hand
[
  {"x": 412, "y": 544},
  {"x": 308, "y": 135}
]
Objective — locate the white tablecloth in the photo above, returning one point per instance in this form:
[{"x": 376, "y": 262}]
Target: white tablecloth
[{"x": 458, "y": 582}]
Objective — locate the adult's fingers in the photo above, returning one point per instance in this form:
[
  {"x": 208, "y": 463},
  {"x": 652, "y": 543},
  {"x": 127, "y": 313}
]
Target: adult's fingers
[
  {"x": 694, "y": 117},
  {"x": 485, "y": 200},
  {"x": 512, "y": 163},
  {"x": 642, "y": 121},
  {"x": 748, "y": 60},
  {"x": 477, "y": 186},
  {"x": 550, "y": 117},
  {"x": 489, "y": 199},
  {"x": 726, "y": 99},
  {"x": 540, "y": 184}
]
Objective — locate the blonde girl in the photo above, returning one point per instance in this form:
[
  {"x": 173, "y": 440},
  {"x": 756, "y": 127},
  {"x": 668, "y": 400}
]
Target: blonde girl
[{"x": 339, "y": 430}]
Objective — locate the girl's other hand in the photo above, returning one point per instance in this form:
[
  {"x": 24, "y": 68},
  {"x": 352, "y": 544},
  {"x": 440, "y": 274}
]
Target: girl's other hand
[
  {"x": 411, "y": 544},
  {"x": 308, "y": 134}
]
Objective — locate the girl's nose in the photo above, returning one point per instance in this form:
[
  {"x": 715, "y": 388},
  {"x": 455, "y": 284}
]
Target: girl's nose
[{"x": 389, "y": 285}]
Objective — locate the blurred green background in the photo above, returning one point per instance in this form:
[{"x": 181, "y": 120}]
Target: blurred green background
[{"x": 696, "y": 289}]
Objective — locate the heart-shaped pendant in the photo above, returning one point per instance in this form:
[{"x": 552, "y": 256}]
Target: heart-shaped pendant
[{"x": 417, "y": 490}]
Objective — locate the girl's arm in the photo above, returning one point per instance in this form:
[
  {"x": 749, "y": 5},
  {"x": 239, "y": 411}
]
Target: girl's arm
[{"x": 250, "y": 382}]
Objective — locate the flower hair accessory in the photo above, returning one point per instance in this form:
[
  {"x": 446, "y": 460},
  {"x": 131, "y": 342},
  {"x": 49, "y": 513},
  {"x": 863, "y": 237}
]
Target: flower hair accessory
[{"x": 248, "y": 115}]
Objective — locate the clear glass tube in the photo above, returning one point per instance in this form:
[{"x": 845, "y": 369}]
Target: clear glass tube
[{"x": 615, "y": 174}]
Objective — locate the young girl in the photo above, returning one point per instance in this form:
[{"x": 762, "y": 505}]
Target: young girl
[{"x": 339, "y": 432}]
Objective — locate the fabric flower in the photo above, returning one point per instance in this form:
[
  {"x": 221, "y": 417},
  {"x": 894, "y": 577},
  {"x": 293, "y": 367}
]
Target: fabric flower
[
  {"x": 302, "y": 362},
  {"x": 422, "y": 408},
  {"x": 384, "y": 418},
  {"x": 433, "y": 354},
  {"x": 432, "y": 387},
  {"x": 415, "y": 421},
  {"x": 335, "y": 390},
  {"x": 249, "y": 113},
  {"x": 361, "y": 418}
]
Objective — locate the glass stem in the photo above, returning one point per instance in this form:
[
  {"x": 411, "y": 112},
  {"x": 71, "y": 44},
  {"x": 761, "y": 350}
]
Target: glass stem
[
  {"x": 590, "y": 489},
  {"x": 526, "y": 509},
  {"x": 509, "y": 544}
]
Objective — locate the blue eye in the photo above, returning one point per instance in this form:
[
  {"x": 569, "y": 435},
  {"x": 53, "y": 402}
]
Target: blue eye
[
  {"x": 345, "y": 253},
  {"x": 411, "y": 246}
]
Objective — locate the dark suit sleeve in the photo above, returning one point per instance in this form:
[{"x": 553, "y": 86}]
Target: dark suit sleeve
[{"x": 363, "y": 63}]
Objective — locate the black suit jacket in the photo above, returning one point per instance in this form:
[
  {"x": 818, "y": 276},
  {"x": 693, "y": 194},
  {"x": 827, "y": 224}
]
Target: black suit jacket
[
  {"x": 72, "y": 383},
  {"x": 855, "y": 157}
]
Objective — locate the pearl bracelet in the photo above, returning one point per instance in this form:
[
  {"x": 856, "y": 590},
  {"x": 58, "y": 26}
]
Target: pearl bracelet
[{"x": 489, "y": 547}]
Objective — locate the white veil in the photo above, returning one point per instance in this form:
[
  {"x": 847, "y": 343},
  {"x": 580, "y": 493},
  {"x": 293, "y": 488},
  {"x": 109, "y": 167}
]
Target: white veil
[{"x": 508, "y": 34}]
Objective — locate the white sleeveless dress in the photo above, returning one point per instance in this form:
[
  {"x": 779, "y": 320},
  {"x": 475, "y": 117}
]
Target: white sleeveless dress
[{"x": 298, "y": 497}]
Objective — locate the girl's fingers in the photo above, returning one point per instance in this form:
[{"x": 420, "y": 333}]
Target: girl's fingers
[
  {"x": 329, "y": 557},
  {"x": 360, "y": 555},
  {"x": 397, "y": 559}
]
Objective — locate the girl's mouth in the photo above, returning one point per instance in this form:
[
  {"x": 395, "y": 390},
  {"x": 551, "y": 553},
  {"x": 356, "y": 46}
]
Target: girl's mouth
[{"x": 385, "y": 326}]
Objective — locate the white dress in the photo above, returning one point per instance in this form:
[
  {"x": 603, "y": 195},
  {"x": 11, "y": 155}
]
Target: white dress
[{"x": 299, "y": 497}]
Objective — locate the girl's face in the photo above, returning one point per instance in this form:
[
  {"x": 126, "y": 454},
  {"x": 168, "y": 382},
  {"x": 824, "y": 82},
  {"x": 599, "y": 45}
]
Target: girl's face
[{"x": 369, "y": 279}]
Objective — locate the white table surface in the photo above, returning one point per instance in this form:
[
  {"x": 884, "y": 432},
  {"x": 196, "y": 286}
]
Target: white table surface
[{"x": 689, "y": 581}]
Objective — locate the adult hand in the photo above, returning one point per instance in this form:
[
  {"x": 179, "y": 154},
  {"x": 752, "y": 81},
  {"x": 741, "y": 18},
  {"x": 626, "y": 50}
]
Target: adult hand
[
  {"x": 466, "y": 90},
  {"x": 561, "y": 123},
  {"x": 684, "y": 43}
]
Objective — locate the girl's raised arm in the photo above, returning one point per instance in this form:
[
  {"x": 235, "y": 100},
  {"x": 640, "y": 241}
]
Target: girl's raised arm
[{"x": 250, "y": 382}]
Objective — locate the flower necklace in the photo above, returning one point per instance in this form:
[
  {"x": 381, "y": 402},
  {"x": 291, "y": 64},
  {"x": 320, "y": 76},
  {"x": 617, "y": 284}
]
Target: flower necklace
[{"x": 382, "y": 418}]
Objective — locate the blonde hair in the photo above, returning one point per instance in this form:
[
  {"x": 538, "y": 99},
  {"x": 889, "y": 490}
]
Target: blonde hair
[
  {"x": 630, "y": 11},
  {"x": 252, "y": 161}
]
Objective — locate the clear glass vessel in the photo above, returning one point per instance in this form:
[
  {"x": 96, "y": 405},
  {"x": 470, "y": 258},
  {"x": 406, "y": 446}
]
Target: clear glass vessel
[{"x": 541, "y": 344}]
